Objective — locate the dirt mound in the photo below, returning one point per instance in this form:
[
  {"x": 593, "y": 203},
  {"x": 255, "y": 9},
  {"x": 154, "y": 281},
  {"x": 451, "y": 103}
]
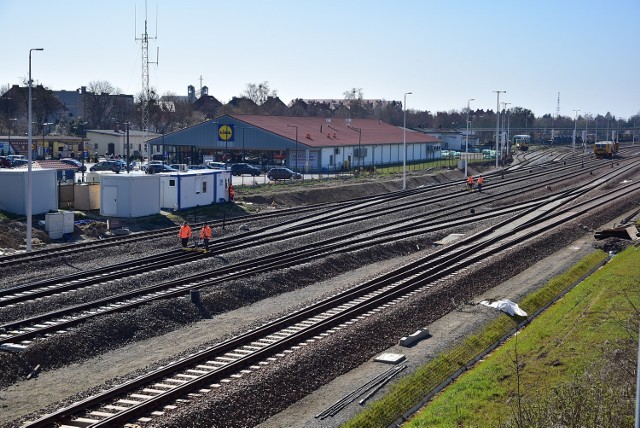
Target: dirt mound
[{"x": 13, "y": 236}]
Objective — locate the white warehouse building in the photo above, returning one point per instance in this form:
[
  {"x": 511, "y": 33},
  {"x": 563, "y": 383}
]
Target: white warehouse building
[{"x": 306, "y": 144}]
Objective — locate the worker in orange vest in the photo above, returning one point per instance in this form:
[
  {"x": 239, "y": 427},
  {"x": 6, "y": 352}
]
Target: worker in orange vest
[
  {"x": 232, "y": 193},
  {"x": 205, "y": 235},
  {"x": 185, "y": 234},
  {"x": 470, "y": 182},
  {"x": 480, "y": 183}
]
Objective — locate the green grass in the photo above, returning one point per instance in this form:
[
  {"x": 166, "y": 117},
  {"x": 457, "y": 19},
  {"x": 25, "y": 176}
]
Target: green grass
[
  {"x": 8, "y": 216},
  {"x": 554, "y": 349},
  {"x": 482, "y": 396}
]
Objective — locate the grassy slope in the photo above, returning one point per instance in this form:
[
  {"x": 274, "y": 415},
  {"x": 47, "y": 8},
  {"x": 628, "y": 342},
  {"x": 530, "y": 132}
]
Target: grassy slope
[
  {"x": 558, "y": 344},
  {"x": 562, "y": 342}
]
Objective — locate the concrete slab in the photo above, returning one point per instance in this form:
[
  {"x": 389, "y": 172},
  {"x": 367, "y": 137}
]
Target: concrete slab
[{"x": 389, "y": 358}]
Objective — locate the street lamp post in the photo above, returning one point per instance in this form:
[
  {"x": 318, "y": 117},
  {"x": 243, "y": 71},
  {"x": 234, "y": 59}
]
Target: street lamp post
[
  {"x": 498, "y": 122},
  {"x": 82, "y": 151},
  {"x": 44, "y": 150},
  {"x": 584, "y": 140},
  {"x": 128, "y": 151},
  {"x": 507, "y": 140},
  {"x": 10, "y": 120},
  {"x": 466, "y": 143},
  {"x": 29, "y": 206},
  {"x": 575, "y": 129},
  {"x": 296, "y": 158},
  {"x": 359, "y": 144},
  {"x": 404, "y": 141}
]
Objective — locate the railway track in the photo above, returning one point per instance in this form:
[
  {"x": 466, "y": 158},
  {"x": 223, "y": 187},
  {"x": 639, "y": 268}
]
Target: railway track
[
  {"x": 15, "y": 259},
  {"x": 529, "y": 159},
  {"x": 17, "y": 335},
  {"x": 177, "y": 384}
]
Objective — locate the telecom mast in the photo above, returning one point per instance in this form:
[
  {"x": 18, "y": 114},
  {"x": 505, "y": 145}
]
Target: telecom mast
[{"x": 146, "y": 94}]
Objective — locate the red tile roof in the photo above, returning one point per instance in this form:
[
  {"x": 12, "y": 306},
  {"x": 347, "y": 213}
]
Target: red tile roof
[
  {"x": 317, "y": 132},
  {"x": 48, "y": 164}
]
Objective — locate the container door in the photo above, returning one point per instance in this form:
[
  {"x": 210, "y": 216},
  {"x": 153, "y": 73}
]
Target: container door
[{"x": 109, "y": 200}]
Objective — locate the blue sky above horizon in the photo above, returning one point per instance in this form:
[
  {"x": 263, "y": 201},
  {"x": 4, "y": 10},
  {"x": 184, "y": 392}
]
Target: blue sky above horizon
[{"x": 445, "y": 53}]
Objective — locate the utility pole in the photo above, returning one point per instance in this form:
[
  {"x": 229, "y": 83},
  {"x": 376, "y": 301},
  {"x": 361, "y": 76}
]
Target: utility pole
[
  {"x": 575, "y": 130},
  {"x": 498, "y": 124}
]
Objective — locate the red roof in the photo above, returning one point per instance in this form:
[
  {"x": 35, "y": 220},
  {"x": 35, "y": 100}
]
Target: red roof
[
  {"x": 48, "y": 164},
  {"x": 317, "y": 132}
]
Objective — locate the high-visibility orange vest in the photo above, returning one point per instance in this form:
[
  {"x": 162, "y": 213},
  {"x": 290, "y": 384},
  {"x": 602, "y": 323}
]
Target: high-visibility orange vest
[
  {"x": 470, "y": 179},
  {"x": 480, "y": 180},
  {"x": 185, "y": 231},
  {"x": 205, "y": 232}
]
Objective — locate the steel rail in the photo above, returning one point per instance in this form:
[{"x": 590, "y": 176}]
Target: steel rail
[
  {"x": 335, "y": 245},
  {"x": 412, "y": 283}
]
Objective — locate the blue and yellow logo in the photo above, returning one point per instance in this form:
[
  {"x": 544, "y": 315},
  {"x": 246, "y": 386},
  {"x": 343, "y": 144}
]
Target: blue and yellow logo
[{"x": 225, "y": 132}]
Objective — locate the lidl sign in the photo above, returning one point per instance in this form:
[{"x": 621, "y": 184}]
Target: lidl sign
[{"x": 225, "y": 132}]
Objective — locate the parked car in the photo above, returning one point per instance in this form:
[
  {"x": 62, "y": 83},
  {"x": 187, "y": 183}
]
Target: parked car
[
  {"x": 154, "y": 168},
  {"x": 244, "y": 168},
  {"x": 145, "y": 165},
  {"x": 74, "y": 162},
  {"x": 282, "y": 173},
  {"x": 216, "y": 165},
  {"x": 179, "y": 167},
  {"x": 17, "y": 163},
  {"x": 115, "y": 166}
]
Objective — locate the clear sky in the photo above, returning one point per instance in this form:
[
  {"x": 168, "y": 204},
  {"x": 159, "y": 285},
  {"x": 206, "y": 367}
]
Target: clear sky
[{"x": 445, "y": 52}]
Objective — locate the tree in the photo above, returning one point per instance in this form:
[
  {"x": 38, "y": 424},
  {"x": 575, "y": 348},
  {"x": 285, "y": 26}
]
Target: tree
[
  {"x": 521, "y": 117},
  {"x": 102, "y": 103},
  {"x": 153, "y": 102},
  {"x": 353, "y": 99},
  {"x": 259, "y": 93}
]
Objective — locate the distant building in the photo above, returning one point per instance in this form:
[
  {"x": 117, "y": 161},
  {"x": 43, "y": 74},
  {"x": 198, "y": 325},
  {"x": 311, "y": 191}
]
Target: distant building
[
  {"x": 308, "y": 144},
  {"x": 114, "y": 143},
  {"x": 79, "y": 102}
]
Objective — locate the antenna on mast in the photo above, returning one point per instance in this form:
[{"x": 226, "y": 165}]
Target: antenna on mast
[{"x": 146, "y": 94}]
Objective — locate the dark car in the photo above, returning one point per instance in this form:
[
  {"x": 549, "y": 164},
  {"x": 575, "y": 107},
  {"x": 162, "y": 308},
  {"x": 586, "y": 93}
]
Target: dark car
[
  {"x": 244, "y": 168},
  {"x": 17, "y": 163},
  {"x": 74, "y": 162},
  {"x": 282, "y": 174},
  {"x": 115, "y": 166},
  {"x": 155, "y": 168}
]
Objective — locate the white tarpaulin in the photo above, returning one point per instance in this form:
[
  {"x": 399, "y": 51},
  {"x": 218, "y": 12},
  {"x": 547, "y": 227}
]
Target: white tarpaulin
[{"x": 506, "y": 306}]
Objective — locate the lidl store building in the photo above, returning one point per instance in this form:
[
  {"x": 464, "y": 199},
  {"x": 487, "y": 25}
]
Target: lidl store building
[{"x": 307, "y": 144}]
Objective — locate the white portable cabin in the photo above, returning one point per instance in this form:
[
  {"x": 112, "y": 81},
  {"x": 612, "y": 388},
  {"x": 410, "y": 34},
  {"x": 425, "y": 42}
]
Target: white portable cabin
[
  {"x": 129, "y": 195},
  {"x": 44, "y": 190},
  {"x": 180, "y": 190}
]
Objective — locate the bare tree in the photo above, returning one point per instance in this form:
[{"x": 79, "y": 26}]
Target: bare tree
[
  {"x": 354, "y": 100},
  {"x": 102, "y": 104},
  {"x": 259, "y": 93}
]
